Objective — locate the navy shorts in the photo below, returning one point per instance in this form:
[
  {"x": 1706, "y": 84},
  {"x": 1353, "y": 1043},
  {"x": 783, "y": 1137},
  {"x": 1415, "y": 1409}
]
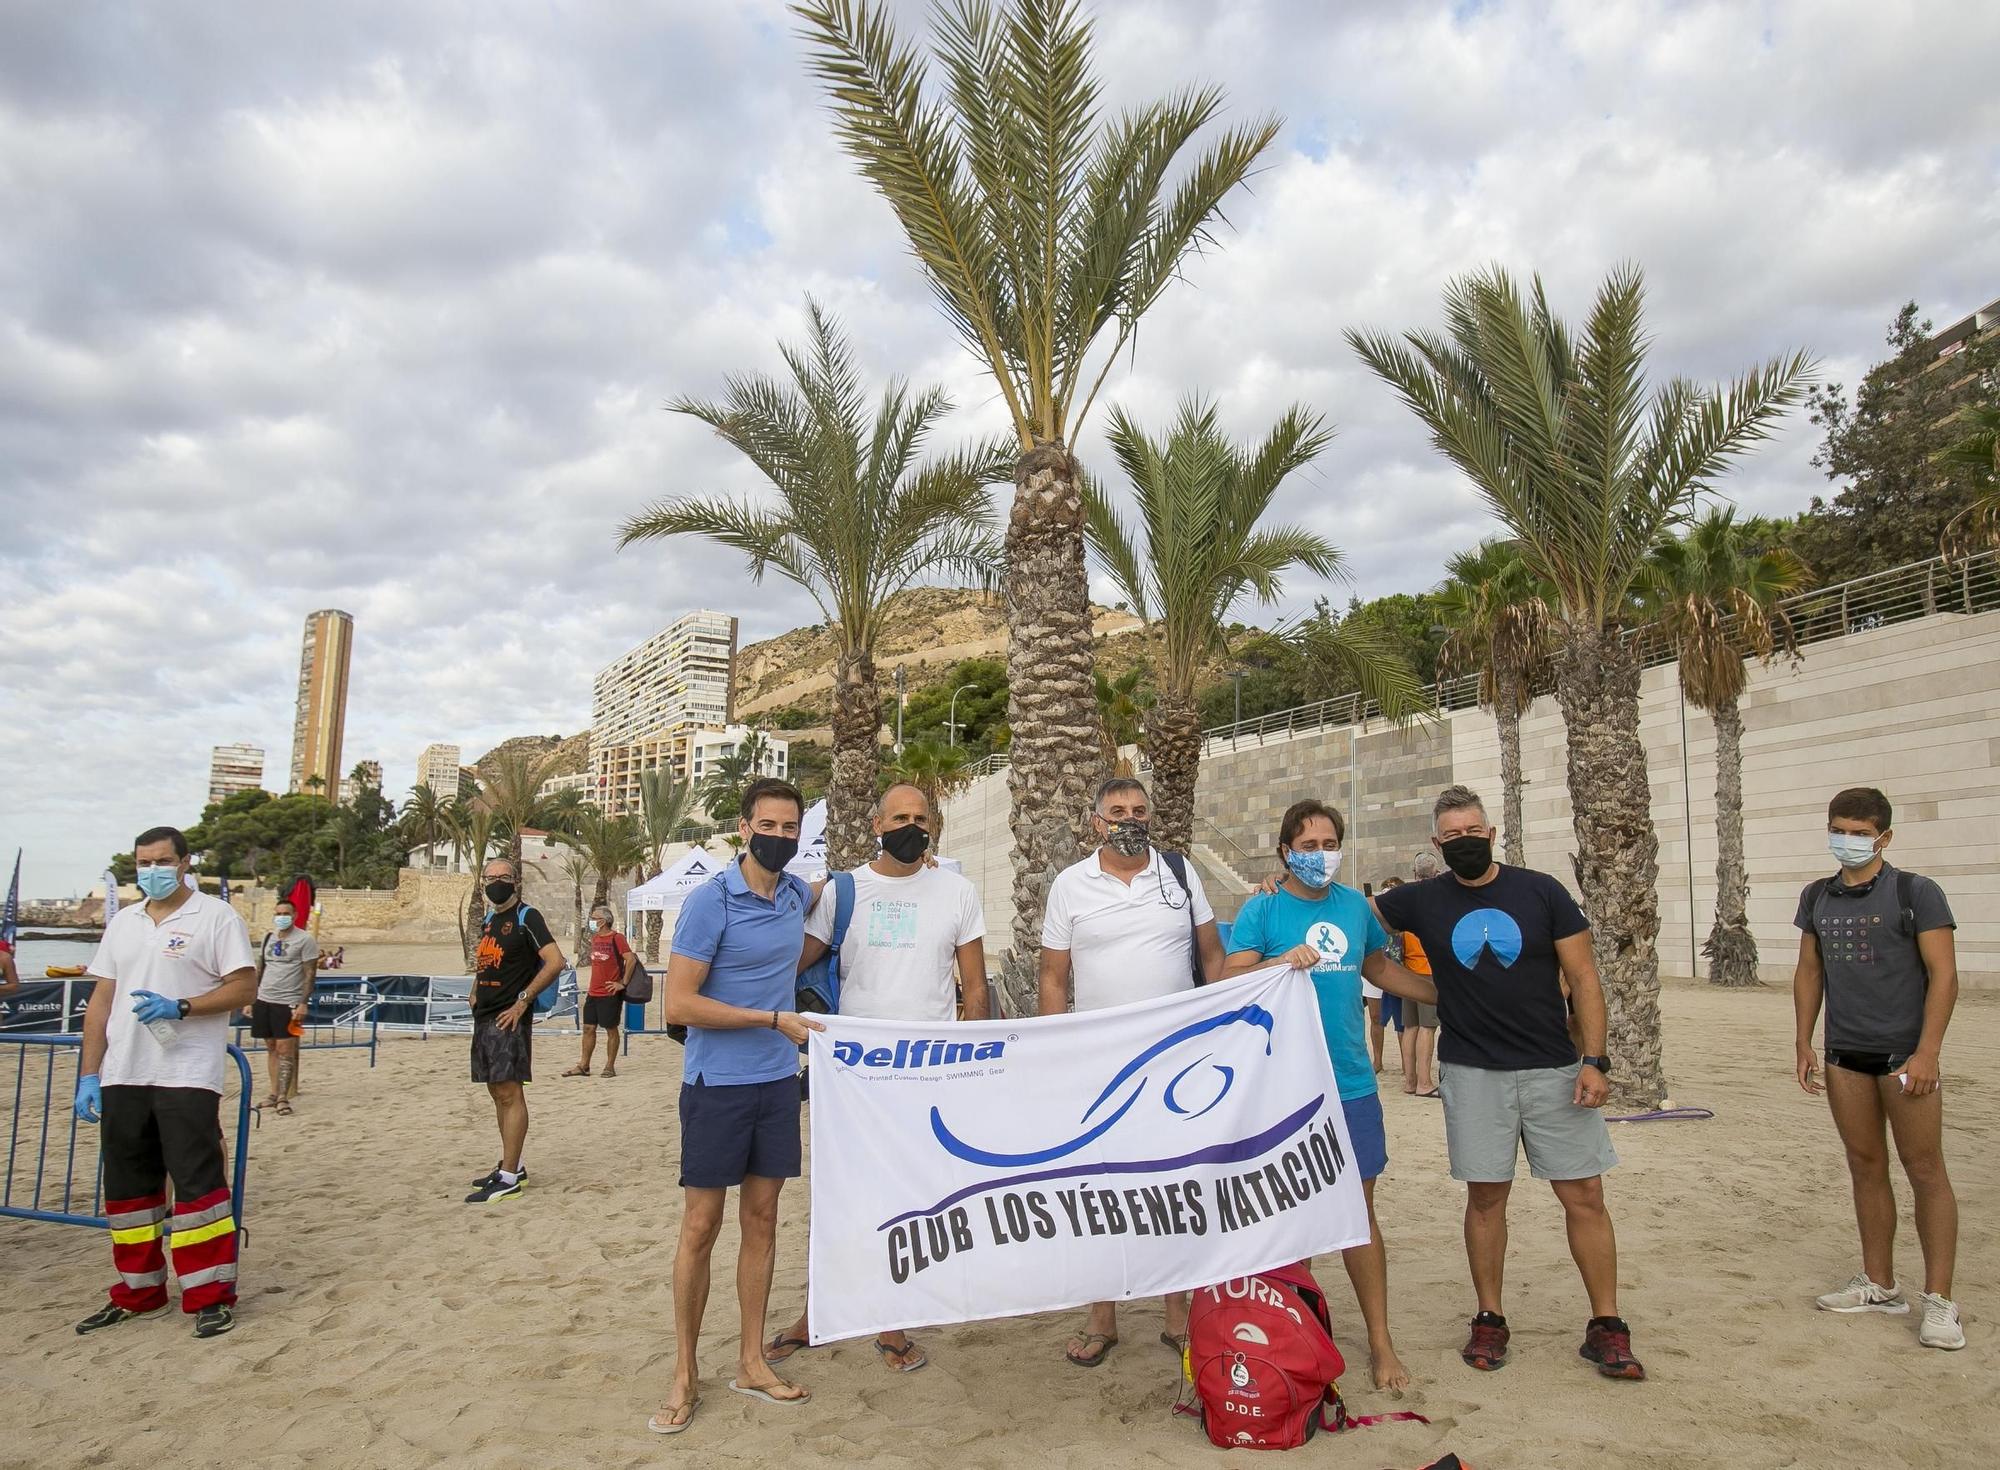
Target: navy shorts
[
  {"x": 1366, "y": 1133},
  {"x": 732, "y": 1131}
]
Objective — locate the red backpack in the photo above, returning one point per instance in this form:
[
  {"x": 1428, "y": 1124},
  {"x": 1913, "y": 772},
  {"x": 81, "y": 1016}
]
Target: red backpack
[{"x": 1263, "y": 1361}]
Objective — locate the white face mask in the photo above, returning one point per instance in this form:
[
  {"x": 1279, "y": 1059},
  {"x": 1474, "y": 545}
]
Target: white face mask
[
  {"x": 1851, "y": 849},
  {"x": 282, "y": 921}
]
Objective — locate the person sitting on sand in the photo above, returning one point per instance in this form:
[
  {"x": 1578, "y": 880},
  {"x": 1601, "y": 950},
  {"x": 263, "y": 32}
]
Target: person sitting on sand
[
  {"x": 1320, "y": 926},
  {"x": 912, "y": 923},
  {"x": 1501, "y": 942},
  {"x": 1876, "y": 945},
  {"x": 1127, "y": 923}
]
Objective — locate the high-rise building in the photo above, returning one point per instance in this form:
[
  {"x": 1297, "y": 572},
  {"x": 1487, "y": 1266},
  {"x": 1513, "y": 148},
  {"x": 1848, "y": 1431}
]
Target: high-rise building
[
  {"x": 321, "y": 721},
  {"x": 370, "y": 773},
  {"x": 234, "y": 768},
  {"x": 683, "y": 675},
  {"x": 437, "y": 768},
  {"x": 691, "y": 753}
]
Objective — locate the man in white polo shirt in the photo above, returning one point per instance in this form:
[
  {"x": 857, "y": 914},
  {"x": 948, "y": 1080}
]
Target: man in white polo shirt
[
  {"x": 910, "y": 927},
  {"x": 1128, "y": 923},
  {"x": 168, "y": 974}
]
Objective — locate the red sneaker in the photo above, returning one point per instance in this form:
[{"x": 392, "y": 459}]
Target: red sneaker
[
  {"x": 1486, "y": 1349},
  {"x": 1607, "y": 1342}
]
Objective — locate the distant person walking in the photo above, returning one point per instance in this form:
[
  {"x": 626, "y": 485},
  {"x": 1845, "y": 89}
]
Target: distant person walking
[
  {"x": 1127, "y": 923},
  {"x": 911, "y": 930},
  {"x": 612, "y": 964},
  {"x": 1417, "y": 1032},
  {"x": 517, "y": 960},
  {"x": 1501, "y": 942},
  {"x": 287, "y": 963},
  {"x": 1875, "y": 944},
  {"x": 168, "y": 973}
]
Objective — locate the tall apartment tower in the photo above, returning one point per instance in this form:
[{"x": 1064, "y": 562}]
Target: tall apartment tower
[
  {"x": 646, "y": 705},
  {"x": 321, "y": 721},
  {"x": 234, "y": 768},
  {"x": 437, "y": 768}
]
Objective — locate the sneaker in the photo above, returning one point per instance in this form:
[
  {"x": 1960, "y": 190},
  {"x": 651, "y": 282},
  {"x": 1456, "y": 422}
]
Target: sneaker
[
  {"x": 111, "y": 1315},
  {"x": 1486, "y": 1349},
  {"x": 1607, "y": 1342},
  {"x": 1940, "y": 1329},
  {"x": 1863, "y": 1295},
  {"x": 214, "y": 1321},
  {"x": 493, "y": 1189},
  {"x": 494, "y": 1177}
]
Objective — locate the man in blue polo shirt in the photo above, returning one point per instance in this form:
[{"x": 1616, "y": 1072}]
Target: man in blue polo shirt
[{"x": 732, "y": 981}]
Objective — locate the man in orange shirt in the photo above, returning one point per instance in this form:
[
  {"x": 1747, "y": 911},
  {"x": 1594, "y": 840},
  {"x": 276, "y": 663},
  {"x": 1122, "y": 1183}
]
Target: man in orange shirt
[
  {"x": 611, "y": 965},
  {"x": 1417, "y": 1033}
]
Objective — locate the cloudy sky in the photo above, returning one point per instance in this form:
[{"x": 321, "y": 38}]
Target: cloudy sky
[{"x": 374, "y": 306}]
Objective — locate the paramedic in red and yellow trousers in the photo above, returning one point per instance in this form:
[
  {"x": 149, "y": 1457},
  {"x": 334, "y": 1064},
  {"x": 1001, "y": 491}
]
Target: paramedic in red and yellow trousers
[{"x": 155, "y": 1040}]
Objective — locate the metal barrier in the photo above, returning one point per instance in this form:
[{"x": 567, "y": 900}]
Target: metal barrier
[
  {"x": 344, "y": 1010},
  {"x": 78, "y": 1205},
  {"x": 423, "y": 1005}
]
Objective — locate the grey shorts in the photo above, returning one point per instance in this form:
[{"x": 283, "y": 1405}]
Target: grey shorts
[
  {"x": 502, "y": 1056},
  {"x": 1490, "y": 1116}
]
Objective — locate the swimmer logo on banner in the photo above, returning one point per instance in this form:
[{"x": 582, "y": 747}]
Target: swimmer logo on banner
[{"x": 994, "y": 1168}]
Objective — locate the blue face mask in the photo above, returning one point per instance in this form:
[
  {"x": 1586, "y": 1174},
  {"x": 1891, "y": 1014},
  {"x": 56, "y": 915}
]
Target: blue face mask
[
  {"x": 281, "y": 921},
  {"x": 1314, "y": 869},
  {"x": 1851, "y": 849},
  {"x": 159, "y": 882}
]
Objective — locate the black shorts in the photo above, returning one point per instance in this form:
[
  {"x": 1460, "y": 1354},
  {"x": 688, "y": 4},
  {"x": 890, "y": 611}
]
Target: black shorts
[
  {"x": 502, "y": 1056},
  {"x": 604, "y": 1010},
  {"x": 270, "y": 1020},
  {"x": 1868, "y": 1063},
  {"x": 730, "y": 1132}
]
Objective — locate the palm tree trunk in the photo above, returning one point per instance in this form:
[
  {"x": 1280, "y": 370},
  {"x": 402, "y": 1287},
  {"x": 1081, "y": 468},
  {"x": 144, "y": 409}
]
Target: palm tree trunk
[
  {"x": 857, "y": 761},
  {"x": 1051, "y": 698},
  {"x": 1731, "y": 948},
  {"x": 655, "y": 922},
  {"x": 475, "y": 915},
  {"x": 601, "y": 894},
  {"x": 1173, "y": 740},
  {"x": 1617, "y": 865},
  {"x": 579, "y": 911},
  {"x": 1509, "y": 700}
]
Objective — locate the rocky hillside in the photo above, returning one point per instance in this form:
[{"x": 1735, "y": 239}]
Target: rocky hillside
[{"x": 567, "y": 755}]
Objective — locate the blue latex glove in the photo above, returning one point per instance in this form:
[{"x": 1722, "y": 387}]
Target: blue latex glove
[
  {"x": 89, "y": 1098},
  {"x": 149, "y": 1007}
]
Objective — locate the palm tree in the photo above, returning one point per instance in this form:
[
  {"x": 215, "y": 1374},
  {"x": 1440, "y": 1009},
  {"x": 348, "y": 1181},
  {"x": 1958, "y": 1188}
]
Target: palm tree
[
  {"x": 1120, "y": 716},
  {"x": 858, "y": 519},
  {"x": 937, "y": 771},
  {"x": 1979, "y": 452},
  {"x": 512, "y": 791},
  {"x": 1194, "y": 553},
  {"x": 721, "y": 789},
  {"x": 612, "y": 846},
  {"x": 1046, "y": 228},
  {"x": 1497, "y": 620},
  {"x": 1716, "y": 593},
  {"x": 1557, "y": 433},
  {"x": 424, "y": 817},
  {"x": 664, "y": 808},
  {"x": 473, "y": 836},
  {"x": 576, "y": 868}
]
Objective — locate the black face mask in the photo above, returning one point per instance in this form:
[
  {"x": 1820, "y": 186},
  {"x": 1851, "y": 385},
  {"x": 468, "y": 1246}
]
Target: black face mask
[
  {"x": 1469, "y": 857},
  {"x": 772, "y": 852},
  {"x": 907, "y": 843},
  {"x": 499, "y": 893}
]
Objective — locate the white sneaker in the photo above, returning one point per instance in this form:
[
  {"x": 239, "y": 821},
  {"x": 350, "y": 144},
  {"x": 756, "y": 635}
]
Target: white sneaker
[
  {"x": 1863, "y": 1295},
  {"x": 1941, "y": 1328}
]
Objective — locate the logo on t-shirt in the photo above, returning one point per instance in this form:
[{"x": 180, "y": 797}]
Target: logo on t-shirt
[
  {"x": 1486, "y": 929},
  {"x": 1331, "y": 941},
  {"x": 892, "y": 925},
  {"x": 177, "y": 945}
]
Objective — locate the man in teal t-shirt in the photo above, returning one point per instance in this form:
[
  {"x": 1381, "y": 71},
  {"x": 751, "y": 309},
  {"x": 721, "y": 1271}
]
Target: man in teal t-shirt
[{"x": 1314, "y": 924}]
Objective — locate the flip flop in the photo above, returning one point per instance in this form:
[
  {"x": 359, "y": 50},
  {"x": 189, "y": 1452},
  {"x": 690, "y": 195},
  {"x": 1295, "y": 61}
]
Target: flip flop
[
  {"x": 782, "y": 1347},
  {"x": 1432, "y": 1093},
  {"x": 609, "y": 1072},
  {"x": 907, "y": 1350},
  {"x": 765, "y": 1394},
  {"x": 284, "y": 1108},
  {"x": 577, "y": 1072},
  {"x": 1177, "y": 1345},
  {"x": 1106, "y": 1342},
  {"x": 668, "y": 1426}
]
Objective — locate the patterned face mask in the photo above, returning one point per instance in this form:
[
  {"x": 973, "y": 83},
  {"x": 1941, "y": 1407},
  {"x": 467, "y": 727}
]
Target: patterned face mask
[{"x": 1128, "y": 839}]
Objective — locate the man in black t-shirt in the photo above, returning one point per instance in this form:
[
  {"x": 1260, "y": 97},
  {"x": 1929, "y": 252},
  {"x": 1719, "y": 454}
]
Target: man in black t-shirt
[
  {"x": 1501, "y": 941},
  {"x": 516, "y": 960}
]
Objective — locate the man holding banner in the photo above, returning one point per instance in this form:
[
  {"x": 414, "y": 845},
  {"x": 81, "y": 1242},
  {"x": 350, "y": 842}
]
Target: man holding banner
[{"x": 1128, "y": 923}]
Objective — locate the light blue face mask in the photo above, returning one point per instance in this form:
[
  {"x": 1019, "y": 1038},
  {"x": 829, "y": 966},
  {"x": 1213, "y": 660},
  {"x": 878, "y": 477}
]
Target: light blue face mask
[
  {"x": 1314, "y": 869},
  {"x": 159, "y": 882},
  {"x": 1851, "y": 849}
]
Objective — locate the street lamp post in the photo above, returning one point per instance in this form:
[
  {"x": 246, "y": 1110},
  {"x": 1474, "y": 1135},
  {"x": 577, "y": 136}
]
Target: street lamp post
[
  {"x": 951, "y": 720},
  {"x": 900, "y": 679},
  {"x": 1236, "y": 675}
]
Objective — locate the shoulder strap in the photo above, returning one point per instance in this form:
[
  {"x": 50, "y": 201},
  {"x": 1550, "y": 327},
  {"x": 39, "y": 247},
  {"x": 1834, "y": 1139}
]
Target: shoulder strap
[
  {"x": 1815, "y": 891},
  {"x": 1177, "y": 864},
  {"x": 1906, "y": 901},
  {"x": 843, "y": 907}
]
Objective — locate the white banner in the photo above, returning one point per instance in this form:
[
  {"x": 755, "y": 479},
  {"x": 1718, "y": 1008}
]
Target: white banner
[{"x": 994, "y": 1168}]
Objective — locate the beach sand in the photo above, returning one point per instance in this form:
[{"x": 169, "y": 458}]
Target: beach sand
[{"x": 384, "y": 1323}]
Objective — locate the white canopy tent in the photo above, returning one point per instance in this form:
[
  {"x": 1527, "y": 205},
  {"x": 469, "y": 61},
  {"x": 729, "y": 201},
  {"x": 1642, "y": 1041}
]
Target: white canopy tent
[
  {"x": 682, "y": 876},
  {"x": 810, "y": 864}
]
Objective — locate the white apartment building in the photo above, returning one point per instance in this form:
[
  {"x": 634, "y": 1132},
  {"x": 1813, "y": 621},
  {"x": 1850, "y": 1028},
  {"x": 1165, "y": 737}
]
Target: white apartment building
[
  {"x": 556, "y": 785},
  {"x": 678, "y": 677},
  {"x": 234, "y": 768},
  {"x": 371, "y": 777},
  {"x": 437, "y": 768},
  {"x": 707, "y": 747},
  {"x": 691, "y": 754}
]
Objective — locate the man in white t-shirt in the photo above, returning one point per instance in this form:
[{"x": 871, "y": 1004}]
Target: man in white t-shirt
[
  {"x": 1128, "y": 923},
  {"x": 910, "y": 926},
  {"x": 167, "y": 974}
]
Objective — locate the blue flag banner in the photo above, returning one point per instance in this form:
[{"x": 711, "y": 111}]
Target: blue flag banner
[{"x": 10, "y": 916}]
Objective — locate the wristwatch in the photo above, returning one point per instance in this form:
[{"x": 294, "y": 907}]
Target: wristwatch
[
  {"x": 1603, "y": 1064},
  {"x": 185, "y": 1007}
]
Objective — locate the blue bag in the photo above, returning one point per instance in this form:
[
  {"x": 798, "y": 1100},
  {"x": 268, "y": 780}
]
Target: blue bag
[{"x": 819, "y": 986}]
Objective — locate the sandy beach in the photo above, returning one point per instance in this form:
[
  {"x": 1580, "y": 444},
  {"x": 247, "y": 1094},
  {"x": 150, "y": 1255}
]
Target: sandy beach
[{"x": 384, "y": 1323}]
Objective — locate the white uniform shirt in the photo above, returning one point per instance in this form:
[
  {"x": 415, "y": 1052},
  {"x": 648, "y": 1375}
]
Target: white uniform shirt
[
  {"x": 896, "y": 964},
  {"x": 184, "y": 956},
  {"x": 1126, "y": 942}
]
